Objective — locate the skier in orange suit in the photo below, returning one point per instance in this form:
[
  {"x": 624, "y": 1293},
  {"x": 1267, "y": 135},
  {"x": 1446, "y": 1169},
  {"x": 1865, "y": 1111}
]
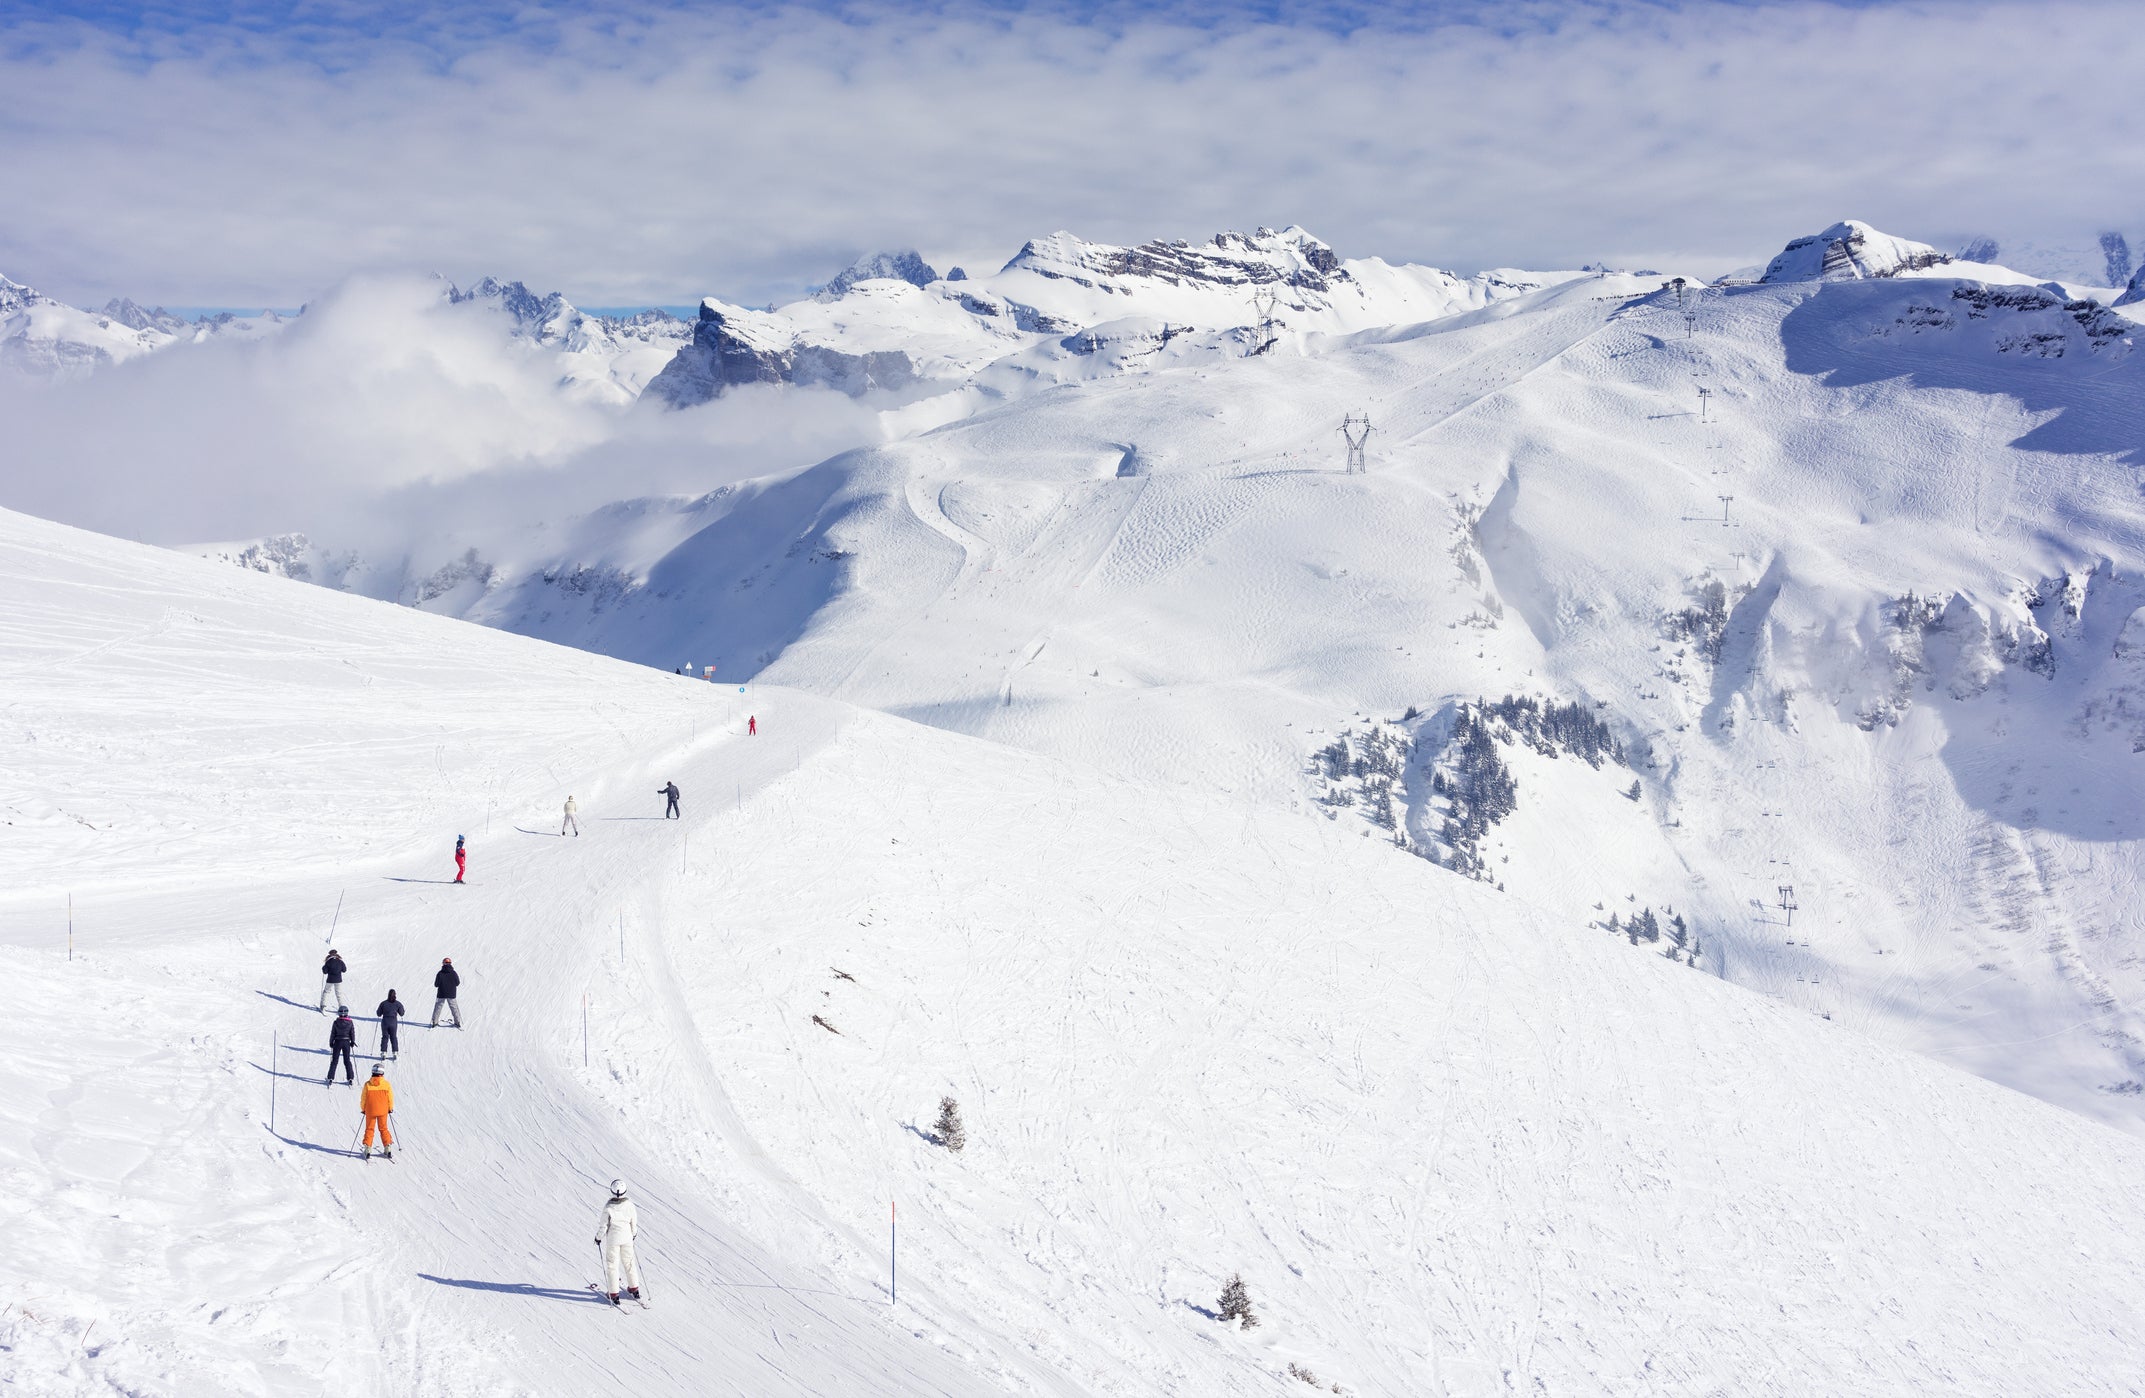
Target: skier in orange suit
[{"x": 377, "y": 1102}]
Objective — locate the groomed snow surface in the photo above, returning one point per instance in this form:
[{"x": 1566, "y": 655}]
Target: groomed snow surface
[{"x": 1453, "y": 1145}]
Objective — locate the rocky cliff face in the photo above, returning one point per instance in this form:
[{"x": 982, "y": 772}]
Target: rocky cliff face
[
  {"x": 882, "y": 266},
  {"x": 130, "y": 313},
  {"x": 1290, "y": 257},
  {"x": 728, "y": 350}
]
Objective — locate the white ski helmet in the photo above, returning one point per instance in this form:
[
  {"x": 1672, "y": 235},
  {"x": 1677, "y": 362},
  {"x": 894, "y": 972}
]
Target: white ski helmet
[{"x": 618, "y": 1189}]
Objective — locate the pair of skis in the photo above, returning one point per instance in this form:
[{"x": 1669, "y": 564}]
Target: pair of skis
[{"x": 620, "y": 1304}]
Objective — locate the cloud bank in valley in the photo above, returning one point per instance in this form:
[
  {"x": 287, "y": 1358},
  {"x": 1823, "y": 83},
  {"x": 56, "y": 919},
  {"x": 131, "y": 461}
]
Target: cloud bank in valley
[
  {"x": 382, "y": 415},
  {"x": 647, "y": 154}
]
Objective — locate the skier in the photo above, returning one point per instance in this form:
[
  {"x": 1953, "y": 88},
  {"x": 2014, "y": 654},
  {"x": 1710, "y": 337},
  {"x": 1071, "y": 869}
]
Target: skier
[
  {"x": 752, "y": 725},
  {"x": 331, "y": 977},
  {"x": 390, "y": 1013},
  {"x": 615, "y": 1231},
  {"x": 570, "y": 823},
  {"x": 670, "y": 789},
  {"x": 461, "y": 859},
  {"x": 444, "y": 983},
  {"x": 342, "y": 1037},
  {"x": 377, "y": 1102}
]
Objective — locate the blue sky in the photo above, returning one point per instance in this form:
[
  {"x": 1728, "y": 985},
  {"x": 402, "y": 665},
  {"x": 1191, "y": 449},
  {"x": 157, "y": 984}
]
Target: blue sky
[{"x": 258, "y": 153}]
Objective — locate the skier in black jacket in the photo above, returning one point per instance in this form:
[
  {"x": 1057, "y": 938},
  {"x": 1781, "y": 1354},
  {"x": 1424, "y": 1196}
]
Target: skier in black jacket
[
  {"x": 669, "y": 789},
  {"x": 390, "y": 1013},
  {"x": 341, "y": 1039},
  {"x": 445, "y": 983},
  {"x": 331, "y": 976}
]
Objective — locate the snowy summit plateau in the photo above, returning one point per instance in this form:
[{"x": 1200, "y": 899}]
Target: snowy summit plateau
[{"x": 1268, "y": 823}]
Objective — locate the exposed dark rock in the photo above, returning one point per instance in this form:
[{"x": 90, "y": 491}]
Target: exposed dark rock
[{"x": 718, "y": 358}]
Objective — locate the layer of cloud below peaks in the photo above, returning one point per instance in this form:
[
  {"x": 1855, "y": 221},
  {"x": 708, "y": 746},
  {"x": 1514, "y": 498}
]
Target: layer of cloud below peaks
[
  {"x": 383, "y": 416},
  {"x": 675, "y": 153}
]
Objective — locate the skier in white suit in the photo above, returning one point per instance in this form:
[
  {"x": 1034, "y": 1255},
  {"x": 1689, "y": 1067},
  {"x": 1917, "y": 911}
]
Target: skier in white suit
[
  {"x": 615, "y": 1232},
  {"x": 570, "y": 823}
]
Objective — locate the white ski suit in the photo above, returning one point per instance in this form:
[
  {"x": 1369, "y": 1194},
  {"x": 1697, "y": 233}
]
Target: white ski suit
[
  {"x": 615, "y": 1232},
  {"x": 570, "y": 823}
]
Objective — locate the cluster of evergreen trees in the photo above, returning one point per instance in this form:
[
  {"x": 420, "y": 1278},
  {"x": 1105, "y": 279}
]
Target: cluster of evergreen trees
[
  {"x": 1377, "y": 759},
  {"x": 1551, "y": 728},
  {"x": 1477, "y": 788},
  {"x": 1705, "y": 626},
  {"x": 1473, "y": 787},
  {"x": 1644, "y": 927}
]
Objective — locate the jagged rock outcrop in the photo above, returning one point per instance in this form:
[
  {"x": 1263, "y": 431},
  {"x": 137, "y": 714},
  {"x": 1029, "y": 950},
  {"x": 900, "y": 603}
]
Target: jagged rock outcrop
[
  {"x": 905, "y": 266},
  {"x": 1291, "y": 257},
  {"x": 2116, "y": 249},
  {"x": 2134, "y": 294},
  {"x": 731, "y": 347},
  {"x": 537, "y": 317},
  {"x": 129, "y": 313},
  {"x": 1851, "y": 251}
]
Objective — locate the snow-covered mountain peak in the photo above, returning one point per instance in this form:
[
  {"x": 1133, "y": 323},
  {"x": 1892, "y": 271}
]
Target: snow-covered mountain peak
[
  {"x": 1851, "y": 251},
  {"x": 45, "y": 338},
  {"x": 14, "y": 296},
  {"x": 528, "y": 310},
  {"x": 1290, "y": 256},
  {"x": 608, "y": 358},
  {"x": 906, "y": 266},
  {"x": 134, "y": 316}
]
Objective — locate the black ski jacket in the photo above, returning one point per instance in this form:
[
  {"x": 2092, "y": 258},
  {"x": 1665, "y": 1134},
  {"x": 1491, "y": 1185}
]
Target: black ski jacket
[
  {"x": 343, "y": 1035},
  {"x": 671, "y": 790},
  {"x": 333, "y": 969},
  {"x": 445, "y": 982},
  {"x": 390, "y": 1011}
]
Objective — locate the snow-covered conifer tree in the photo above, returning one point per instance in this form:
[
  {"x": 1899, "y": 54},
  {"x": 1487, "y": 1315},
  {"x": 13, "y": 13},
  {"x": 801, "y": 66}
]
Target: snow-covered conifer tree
[
  {"x": 1236, "y": 1303},
  {"x": 948, "y": 1127}
]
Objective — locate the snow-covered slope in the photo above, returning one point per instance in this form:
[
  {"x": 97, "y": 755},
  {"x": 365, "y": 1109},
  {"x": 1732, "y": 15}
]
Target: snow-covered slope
[
  {"x": 1452, "y": 1146},
  {"x": 1874, "y": 674}
]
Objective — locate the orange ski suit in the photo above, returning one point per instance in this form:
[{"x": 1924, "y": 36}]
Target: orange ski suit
[{"x": 376, "y": 1101}]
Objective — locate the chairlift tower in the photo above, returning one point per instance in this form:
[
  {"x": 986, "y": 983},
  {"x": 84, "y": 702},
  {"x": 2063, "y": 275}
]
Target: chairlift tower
[
  {"x": 1788, "y": 904},
  {"x": 1264, "y": 302},
  {"x": 1355, "y": 428},
  {"x": 1705, "y": 402}
]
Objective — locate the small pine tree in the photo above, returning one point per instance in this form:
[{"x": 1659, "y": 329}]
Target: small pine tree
[
  {"x": 948, "y": 1127},
  {"x": 1236, "y": 1303},
  {"x": 1633, "y": 793}
]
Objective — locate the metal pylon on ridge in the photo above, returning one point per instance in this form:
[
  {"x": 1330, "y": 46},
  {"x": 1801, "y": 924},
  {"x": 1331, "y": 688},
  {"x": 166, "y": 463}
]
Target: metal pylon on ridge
[
  {"x": 1264, "y": 302},
  {"x": 1356, "y": 429}
]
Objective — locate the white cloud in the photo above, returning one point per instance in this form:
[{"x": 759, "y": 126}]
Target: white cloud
[
  {"x": 381, "y": 415},
  {"x": 659, "y": 155}
]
